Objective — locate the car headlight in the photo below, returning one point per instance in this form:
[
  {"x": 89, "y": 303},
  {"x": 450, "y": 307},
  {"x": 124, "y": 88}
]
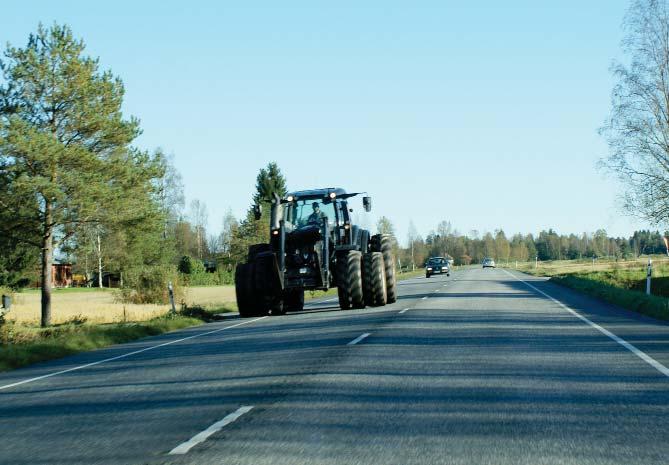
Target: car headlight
[{"x": 444, "y": 268}]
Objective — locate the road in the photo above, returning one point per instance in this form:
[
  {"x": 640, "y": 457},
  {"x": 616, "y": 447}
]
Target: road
[{"x": 485, "y": 367}]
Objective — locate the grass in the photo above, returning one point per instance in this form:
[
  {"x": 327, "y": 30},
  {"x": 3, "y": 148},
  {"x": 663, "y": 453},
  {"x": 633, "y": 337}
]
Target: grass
[
  {"x": 23, "y": 345},
  {"x": 592, "y": 284},
  {"x": 102, "y": 306},
  {"x": 86, "y": 319},
  {"x": 622, "y": 283}
]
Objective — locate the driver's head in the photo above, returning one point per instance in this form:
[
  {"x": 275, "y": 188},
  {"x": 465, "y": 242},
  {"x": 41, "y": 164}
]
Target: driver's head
[{"x": 316, "y": 206}]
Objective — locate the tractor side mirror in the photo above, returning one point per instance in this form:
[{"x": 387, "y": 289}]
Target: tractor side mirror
[
  {"x": 367, "y": 203},
  {"x": 257, "y": 211}
]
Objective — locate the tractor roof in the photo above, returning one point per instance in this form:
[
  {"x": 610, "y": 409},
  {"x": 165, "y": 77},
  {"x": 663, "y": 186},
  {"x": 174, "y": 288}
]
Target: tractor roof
[{"x": 317, "y": 193}]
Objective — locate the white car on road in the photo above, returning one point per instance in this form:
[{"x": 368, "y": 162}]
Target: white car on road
[{"x": 488, "y": 263}]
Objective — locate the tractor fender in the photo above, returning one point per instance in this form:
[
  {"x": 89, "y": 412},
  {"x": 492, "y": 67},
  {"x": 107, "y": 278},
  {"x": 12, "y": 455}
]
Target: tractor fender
[
  {"x": 256, "y": 249},
  {"x": 269, "y": 278}
]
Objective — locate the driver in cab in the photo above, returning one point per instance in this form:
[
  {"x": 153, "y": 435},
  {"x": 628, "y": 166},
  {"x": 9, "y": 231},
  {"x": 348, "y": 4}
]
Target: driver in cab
[{"x": 317, "y": 216}]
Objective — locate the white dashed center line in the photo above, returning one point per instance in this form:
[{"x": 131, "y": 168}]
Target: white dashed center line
[
  {"x": 424, "y": 298},
  {"x": 402, "y": 311},
  {"x": 201, "y": 437},
  {"x": 358, "y": 339}
]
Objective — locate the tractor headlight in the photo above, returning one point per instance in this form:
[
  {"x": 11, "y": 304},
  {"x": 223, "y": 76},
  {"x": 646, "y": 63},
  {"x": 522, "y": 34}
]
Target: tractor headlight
[{"x": 429, "y": 268}]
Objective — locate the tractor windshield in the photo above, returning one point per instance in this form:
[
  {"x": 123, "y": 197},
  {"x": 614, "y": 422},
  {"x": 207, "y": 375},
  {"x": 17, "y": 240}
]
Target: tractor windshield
[{"x": 309, "y": 212}]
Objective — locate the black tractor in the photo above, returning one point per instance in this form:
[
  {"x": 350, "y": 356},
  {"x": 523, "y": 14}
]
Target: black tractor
[{"x": 314, "y": 246}]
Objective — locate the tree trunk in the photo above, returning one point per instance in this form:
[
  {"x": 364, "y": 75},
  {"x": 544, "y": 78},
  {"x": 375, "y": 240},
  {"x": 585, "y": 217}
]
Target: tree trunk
[
  {"x": 47, "y": 261},
  {"x": 99, "y": 263}
]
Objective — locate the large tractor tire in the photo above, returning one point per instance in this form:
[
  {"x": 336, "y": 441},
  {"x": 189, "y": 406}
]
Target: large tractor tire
[
  {"x": 256, "y": 249},
  {"x": 383, "y": 243},
  {"x": 267, "y": 291},
  {"x": 244, "y": 290},
  {"x": 374, "y": 279},
  {"x": 349, "y": 280},
  {"x": 364, "y": 241},
  {"x": 293, "y": 300}
]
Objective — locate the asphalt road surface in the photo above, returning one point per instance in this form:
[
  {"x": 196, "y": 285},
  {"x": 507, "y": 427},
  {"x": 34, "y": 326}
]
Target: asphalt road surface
[{"x": 484, "y": 367}]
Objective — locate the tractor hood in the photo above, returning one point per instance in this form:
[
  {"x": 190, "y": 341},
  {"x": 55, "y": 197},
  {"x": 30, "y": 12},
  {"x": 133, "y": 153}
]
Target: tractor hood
[{"x": 307, "y": 235}]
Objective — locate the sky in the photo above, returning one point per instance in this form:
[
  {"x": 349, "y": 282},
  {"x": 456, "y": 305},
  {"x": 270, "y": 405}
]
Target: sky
[{"x": 485, "y": 116}]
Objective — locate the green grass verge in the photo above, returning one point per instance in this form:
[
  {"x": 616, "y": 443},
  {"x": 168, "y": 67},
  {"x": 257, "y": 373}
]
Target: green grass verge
[
  {"x": 22, "y": 345},
  {"x": 651, "y": 305},
  {"x": 622, "y": 283}
]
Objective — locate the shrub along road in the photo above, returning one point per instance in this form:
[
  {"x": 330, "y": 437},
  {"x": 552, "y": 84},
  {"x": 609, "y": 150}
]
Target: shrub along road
[{"x": 481, "y": 367}]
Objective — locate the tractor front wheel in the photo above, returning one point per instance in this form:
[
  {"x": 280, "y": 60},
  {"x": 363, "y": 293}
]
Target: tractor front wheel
[{"x": 293, "y": 300}]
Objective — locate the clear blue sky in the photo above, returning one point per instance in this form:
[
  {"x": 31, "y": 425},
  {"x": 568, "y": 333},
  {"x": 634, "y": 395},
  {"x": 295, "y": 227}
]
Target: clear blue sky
[{"x": 485, "y": 116}]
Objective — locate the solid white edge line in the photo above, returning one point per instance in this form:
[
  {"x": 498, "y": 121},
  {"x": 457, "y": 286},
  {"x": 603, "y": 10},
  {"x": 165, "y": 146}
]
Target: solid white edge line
[
  {"x": 111, "y": 359},
  {"x": 403, "y": 311},
  {"x": 639, "y": 353},
  {"x": 358, "y": 339},
  {"x": 216, "y": 427}
]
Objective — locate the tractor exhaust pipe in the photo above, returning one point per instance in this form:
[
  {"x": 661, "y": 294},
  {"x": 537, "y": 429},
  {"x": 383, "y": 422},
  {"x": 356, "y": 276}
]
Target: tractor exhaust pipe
[{"x": 326, "y": 254}]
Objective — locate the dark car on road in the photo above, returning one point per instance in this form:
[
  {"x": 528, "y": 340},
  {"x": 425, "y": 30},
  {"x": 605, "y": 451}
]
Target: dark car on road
[{"x": 436, "y": 265}]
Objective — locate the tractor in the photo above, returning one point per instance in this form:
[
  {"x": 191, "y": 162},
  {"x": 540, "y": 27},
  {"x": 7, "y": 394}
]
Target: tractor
[{"x": 315, "y": 246}]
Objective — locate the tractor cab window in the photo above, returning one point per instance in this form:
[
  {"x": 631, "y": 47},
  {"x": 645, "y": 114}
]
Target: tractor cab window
[{"x": 310, "y": 212}]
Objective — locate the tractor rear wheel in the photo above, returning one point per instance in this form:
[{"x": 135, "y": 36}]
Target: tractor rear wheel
[
  {"x": 374, "y": 279},
  {"x": 265, "y": 299},
  {"x": 383, "y": 243},
  {"x": 349, "y": 279},
  {"x": 244, "y": 290}
]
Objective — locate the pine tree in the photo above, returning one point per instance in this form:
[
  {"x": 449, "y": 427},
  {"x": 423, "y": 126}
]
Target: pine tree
[{"x": 64, "y": 142}]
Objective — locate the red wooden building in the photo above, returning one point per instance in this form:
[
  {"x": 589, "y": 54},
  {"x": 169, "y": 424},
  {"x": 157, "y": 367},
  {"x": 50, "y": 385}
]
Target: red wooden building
[{"x": 61, "y": 274}]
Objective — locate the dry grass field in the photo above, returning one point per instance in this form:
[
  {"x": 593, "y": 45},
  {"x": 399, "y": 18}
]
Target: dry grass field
[
  {"x": 559, "y": 267},
  {"x": 102, "y": 306}
]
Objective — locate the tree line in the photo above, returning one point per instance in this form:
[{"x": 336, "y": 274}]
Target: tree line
[{"x": 470, "y": 248}]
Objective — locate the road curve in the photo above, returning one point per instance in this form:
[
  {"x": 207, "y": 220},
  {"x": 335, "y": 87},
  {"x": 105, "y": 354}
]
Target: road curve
[{"x": 485, "y": 367}]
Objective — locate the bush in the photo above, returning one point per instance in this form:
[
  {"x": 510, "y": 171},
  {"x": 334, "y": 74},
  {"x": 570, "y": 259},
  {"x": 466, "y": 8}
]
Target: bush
[
  {"x": 148, "y": 285},
  {"x": 193, "y": 273},
  {"x": 202, "y": 279},
  {"x": 225, "y": 277}
]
